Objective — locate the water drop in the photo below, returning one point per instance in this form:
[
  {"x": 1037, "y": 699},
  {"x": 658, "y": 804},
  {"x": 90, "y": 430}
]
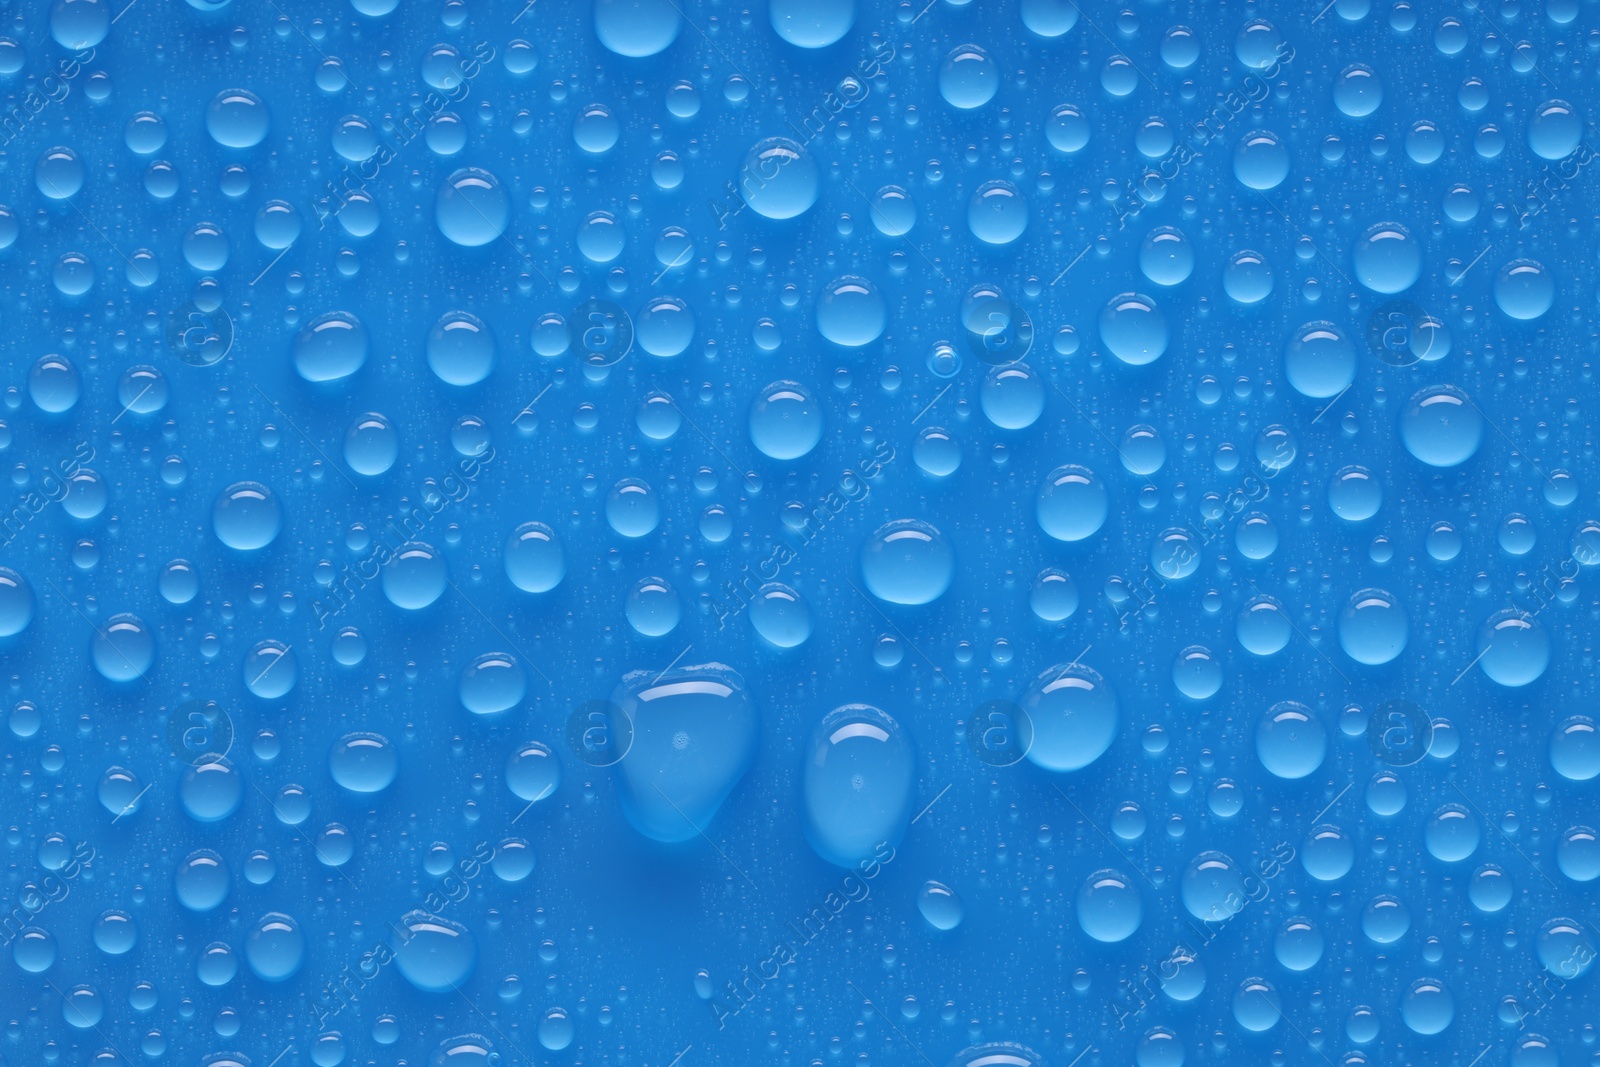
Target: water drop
[
  {"x": 857, "y": 782},
  {"x": 492, "y": 683},
  {"x": 907, "y": 561},
  {"x": 695, "y": 731},
  {"x": 785, "y": 421},
  {"x": 1072, "y": 504},
  {"x": 1073, "y": 713},
  {"x": 940, "y": 905},
  {"x": 1109, "y": 907},
  {"x": 472, "y": 207}
]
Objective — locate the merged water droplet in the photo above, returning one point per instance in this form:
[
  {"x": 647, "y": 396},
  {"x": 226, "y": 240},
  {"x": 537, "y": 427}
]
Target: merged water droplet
[
  {"x": 694, "y": 736},
  {"x": 534, "y": 559},
  {"x": 857, "y": 782}
]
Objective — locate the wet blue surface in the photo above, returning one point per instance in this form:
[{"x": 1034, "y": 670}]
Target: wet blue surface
[{"x": 629, "y": 533}]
